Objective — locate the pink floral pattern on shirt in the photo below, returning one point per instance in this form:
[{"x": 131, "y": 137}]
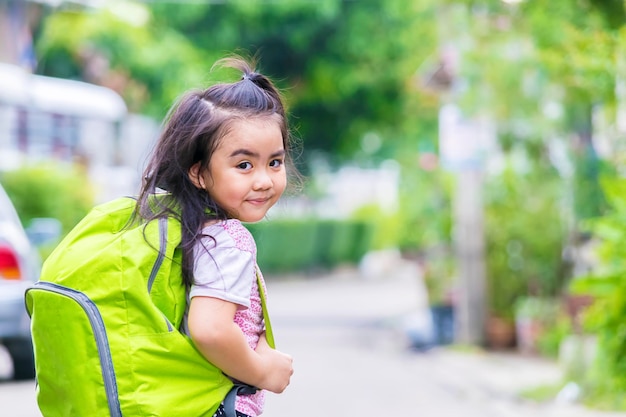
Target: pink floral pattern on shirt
[{"x": 249, "y": 320}]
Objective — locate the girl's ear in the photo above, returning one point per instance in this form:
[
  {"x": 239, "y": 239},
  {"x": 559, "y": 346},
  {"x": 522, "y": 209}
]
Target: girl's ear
[{"x": 195, "y": 176}]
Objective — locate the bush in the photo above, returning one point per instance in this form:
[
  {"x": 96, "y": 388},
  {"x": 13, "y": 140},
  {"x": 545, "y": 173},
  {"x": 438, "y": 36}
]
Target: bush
[
  {"x": 49, "y": 190},
  {"x": 341, "y": 242},
  {"x": 525, "y": 234},
  {"x": 286, "y": 245},
  {"x": 303, "y": 245},
  {"x": 606, "y": 380}
]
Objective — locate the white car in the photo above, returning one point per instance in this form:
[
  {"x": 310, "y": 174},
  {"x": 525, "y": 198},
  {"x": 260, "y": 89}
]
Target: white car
[{"x": 20, "y": 266}]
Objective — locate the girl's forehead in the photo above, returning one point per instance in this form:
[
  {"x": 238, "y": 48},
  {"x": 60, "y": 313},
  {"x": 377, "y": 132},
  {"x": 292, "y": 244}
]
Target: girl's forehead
[{"x": 253, "y": 132}]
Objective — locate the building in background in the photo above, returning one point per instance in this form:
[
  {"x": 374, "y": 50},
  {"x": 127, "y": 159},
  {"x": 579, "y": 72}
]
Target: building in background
[{"x": 46, "y": 118}]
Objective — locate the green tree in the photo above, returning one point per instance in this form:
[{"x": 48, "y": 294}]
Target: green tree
[
  {"x": 347, "y": 67},
  {"x": 148, "y": 65}
]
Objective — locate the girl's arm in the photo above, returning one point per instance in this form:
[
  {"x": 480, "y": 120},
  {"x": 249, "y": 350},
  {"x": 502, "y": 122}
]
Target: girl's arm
[{"x": 221, "y": 341}]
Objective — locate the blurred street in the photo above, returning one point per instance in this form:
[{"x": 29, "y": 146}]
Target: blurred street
[{"x": 351, "y": 358}]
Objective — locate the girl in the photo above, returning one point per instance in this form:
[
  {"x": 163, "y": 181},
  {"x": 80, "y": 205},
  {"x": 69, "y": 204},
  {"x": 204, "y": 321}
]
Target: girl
[{"x": 222, "y": 156}]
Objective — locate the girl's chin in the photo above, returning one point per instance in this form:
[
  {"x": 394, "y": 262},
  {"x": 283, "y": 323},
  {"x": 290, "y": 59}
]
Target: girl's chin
[{"x": 251, "y": 217}]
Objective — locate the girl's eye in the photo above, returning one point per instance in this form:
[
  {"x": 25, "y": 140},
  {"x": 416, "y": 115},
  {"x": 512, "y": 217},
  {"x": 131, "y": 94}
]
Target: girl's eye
[
  {"x": 244, "y": 165},
  {"x": 276, "y": 163}
]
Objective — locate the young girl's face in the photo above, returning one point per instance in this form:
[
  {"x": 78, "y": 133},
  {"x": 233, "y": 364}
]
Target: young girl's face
[{"x": 246, "y": 174}]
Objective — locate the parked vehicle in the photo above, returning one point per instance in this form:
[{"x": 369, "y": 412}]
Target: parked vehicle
[{"x": 19, "y": 267}]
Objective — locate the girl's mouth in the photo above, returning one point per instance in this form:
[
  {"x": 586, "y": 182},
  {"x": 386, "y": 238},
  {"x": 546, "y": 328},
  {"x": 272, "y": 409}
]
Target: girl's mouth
[{"x": 258, "y": 201}]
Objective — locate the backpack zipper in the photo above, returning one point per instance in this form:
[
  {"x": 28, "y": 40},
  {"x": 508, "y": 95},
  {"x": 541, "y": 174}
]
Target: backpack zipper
[
  {"x": 162, "y": 248},
  {"x": 102, "y": 343},
  {"x": 159, "y": 262}
]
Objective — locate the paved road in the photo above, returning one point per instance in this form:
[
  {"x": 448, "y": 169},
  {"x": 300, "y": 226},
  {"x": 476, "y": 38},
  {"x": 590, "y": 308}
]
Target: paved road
[
  {"x": 351, "y": 359},
  {"x": 18, "y": 399}
]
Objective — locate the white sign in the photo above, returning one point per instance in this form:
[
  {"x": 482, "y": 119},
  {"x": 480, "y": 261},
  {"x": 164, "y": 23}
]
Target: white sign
[{"x": 463, "y": 143}]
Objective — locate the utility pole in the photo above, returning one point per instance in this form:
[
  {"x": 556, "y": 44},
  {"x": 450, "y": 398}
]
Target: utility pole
[
  {"x": 463, "y": 143},
  {"x": 470, "y": 252}
]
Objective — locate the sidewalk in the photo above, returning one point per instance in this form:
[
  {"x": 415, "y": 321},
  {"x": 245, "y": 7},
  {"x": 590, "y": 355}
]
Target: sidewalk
[{"x": 324, "y": 316}]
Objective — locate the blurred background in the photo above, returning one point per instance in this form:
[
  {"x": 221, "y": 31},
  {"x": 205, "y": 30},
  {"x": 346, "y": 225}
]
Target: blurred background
[{"x": 481, "y": 141}]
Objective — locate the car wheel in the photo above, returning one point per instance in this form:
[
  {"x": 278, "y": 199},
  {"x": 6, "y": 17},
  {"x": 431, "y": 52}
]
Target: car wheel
[{"x": 21, "y": 351}]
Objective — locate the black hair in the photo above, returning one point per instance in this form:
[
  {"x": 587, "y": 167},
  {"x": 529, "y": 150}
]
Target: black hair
[{"x": 192, "y": 130}]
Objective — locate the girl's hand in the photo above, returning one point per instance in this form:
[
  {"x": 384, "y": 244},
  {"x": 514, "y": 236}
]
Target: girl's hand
[
  {"x": 222, "y": 343},
  {"x": 279, "y": 367}
]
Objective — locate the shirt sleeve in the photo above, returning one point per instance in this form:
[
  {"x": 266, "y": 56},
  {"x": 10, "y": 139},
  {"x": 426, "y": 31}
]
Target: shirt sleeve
[{"x": 221, "y": 270}]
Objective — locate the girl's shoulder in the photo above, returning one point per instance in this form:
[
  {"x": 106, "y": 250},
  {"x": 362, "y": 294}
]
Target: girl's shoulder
[{"x": 231, "y": 232}]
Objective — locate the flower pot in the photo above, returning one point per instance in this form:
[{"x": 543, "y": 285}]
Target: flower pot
[{"x": 500, "y": 333}]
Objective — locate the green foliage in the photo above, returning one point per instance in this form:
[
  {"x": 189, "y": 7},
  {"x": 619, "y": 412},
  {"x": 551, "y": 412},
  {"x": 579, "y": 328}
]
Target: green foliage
[
  {"x": 425, "y": 216},
  {"x": 285, "y": 246},
  {"x": 386, "y": 227},
  {"x": 542, "y": 393},
  {"x": 425, "y": 210},
  {"x": 439, "y": 266},
  {"x": 551, "y": 323},
  {"x": 589, "y": 199},
  {"x": 539, "y": 308},
  {"x": 613, "y": 12},
  {"x": 346, "y": 67},
  {"x": 516, "y": 60},
  {"x": 554, "y": 333},
  {"x": 341, "y": 242},
  {"x": 49, "y": 190},
  {"x": 350, "y": 67},
  {"x": 149, "y": 66},
  {"x": 607, "y": 284},
  {"x": 525, "y": 234}
]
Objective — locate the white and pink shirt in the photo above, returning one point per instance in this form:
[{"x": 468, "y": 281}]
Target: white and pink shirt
[{"x": 225, "y": 267}]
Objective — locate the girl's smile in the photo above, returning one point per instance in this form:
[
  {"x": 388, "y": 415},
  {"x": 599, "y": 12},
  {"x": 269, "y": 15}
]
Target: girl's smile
[{"x": 246, "y": 174}]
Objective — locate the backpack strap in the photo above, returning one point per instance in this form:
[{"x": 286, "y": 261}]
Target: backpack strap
[
  {"x": 269, "y": 334},
  {"x": 244, "y": 389},
  {"x": 231, "y": 397}
]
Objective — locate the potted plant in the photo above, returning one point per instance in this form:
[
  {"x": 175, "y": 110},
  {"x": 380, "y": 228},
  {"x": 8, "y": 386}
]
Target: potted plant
[
  {"x": 534, "y": 317},
  {"x": 524, "y": 242}
]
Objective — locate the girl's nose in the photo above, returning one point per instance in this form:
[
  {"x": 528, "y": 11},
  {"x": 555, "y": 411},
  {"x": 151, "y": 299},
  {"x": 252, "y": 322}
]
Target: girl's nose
[{"x": 262, "y": 180}]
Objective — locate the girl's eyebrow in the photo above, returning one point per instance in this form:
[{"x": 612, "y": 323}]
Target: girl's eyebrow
[
  {"x": 244, "y": 152},
  {"x": 249, "y": 153}
]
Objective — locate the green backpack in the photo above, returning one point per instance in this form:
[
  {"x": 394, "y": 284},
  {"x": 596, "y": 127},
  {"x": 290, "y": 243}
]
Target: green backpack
[{"x": 105, "y": 316}]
